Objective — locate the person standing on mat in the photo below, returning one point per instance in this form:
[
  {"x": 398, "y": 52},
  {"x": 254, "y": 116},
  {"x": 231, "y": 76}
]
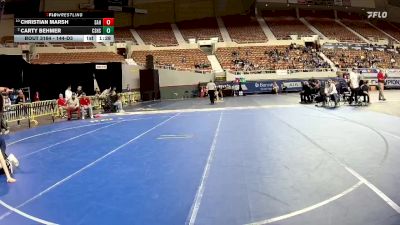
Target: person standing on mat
[
  {"x": 3, "y": 163},
  {"x": 381, "y": 84},
  {"x": 211, "y": 87},
  {"x": 354, "y": 86}
]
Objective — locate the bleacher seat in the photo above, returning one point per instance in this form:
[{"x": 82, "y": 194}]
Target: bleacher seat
[
  {"x": 283, "y": 27},
  {"x": 74, "y": 45},
  {"x": 388, "y": 28},
  {"x": 365, "y": 29},
  {"x": 333, "y": 30},
  {"x": 76, "y": 57},
  {"x": 179, "y": 59},
  {"x": 244, "y": 29},
  {"x": 157, "y": 35},
  {"x": 200, "y": 29},
  {"x": 123, "y": 34}
]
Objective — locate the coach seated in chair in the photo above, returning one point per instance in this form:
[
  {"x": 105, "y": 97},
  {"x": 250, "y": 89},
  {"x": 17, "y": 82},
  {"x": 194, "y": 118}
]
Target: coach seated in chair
[
  {"x": 364, "y": 88},
  {"x": 73, "y": 106},
  {"x": 305, "y": 94},
  {"x": 86, "y": 105},
  {"x": 61, "y": 105},
  {"x": 315, "y": 85},
  {"x": 331, "y": 92},
  {"x": 321, "y": 95},
  {"x": 117, "y": 102}
]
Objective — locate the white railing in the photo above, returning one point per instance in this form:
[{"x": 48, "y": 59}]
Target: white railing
[
  {"x": 202, "y": 71},
  {"x": 288, "y": 71}
]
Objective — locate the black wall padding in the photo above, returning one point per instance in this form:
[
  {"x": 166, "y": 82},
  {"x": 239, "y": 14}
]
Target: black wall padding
[
  {"x": 149, "y": 85},
  {"x": 11, "y": 67},
  {"x": 51, "y": 80}
]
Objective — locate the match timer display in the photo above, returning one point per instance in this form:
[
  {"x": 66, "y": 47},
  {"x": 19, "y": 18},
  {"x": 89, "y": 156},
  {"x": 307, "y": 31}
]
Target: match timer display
[{"x": 65, "y": 27}]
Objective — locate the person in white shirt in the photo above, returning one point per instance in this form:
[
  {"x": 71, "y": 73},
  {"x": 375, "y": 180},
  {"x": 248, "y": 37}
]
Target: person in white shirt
[
  {"x": 354, "y": 80},
  {"x": 211, "y": 87},
  {"x": 330, "y": 91},
  {"x": 68, "y": 93}
]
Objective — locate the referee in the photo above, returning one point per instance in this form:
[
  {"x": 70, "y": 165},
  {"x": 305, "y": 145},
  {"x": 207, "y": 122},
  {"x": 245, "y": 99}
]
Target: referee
[{"x": 211, "y": 87}]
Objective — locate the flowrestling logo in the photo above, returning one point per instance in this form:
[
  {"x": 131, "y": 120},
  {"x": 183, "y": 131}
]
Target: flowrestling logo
[{"x": 376, "y": 14}]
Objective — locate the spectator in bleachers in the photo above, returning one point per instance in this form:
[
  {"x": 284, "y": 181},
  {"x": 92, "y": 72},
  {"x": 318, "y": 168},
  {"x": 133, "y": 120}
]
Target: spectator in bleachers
[
  {"x": 68, "y": 93},
  {"x": 62, "y": 105},
  {"x": 73, "y": 106},
  {"x": 271, "y": 58},
  {"x": 86, "y": 105}
]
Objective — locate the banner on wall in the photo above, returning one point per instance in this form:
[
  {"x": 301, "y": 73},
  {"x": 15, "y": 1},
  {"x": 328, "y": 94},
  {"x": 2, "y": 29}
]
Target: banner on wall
[
  {"x": 393, "y": 83},
  {"x": 390, "y": 82},
  {"x": 393, "y": 72},
  {"x": 265, "y": 86}
]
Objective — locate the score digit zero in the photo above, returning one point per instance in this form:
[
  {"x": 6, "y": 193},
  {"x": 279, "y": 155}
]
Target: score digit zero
[{"x": 108, "y": 21}]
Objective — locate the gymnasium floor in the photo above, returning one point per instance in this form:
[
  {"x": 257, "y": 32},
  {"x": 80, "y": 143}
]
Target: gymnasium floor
[{"x": 249, "y": 160}]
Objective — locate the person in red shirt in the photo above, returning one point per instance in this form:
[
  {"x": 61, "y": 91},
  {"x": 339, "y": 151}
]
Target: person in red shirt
[
  {"x": 62, "y": 105},
  {"x": 86, "y": 105},
  {"x": 381, "y": 84}
]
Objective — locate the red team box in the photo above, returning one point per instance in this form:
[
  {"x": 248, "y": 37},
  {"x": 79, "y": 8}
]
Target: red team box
[{"x": 108, "y": 22}]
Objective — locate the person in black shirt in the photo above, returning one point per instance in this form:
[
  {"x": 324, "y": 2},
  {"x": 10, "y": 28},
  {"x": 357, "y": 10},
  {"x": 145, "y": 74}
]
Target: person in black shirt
[
  {"x": 364, "y": 91},
  {"x": 305, "y": 94}
]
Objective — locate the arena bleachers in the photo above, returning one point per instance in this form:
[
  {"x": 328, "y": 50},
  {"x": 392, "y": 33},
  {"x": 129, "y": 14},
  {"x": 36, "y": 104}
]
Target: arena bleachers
[
  {"x": 123, "y": 34},
  {"x": 244, "y": 29},
  {"x": 268, "y": 58},
  {"x": 76, "y": 57},
  {"x": 365, "y": 29},
  {"x": 7, "y": 41},
  {"x": 388, "y": 28},
  {"x": 333, "y": 30},
  {"x": 157, "y": 35},
  {"x": 396, "y": 24},
  {"x": 179, "y": 59},
  {"x": 364, "y": 59},
  {"x": 283, "y": 27},
  {"x": 200, "y": 29}
]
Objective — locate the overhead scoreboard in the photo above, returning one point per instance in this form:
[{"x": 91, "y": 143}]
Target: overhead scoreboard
[{"x": 65, "y": 27}]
